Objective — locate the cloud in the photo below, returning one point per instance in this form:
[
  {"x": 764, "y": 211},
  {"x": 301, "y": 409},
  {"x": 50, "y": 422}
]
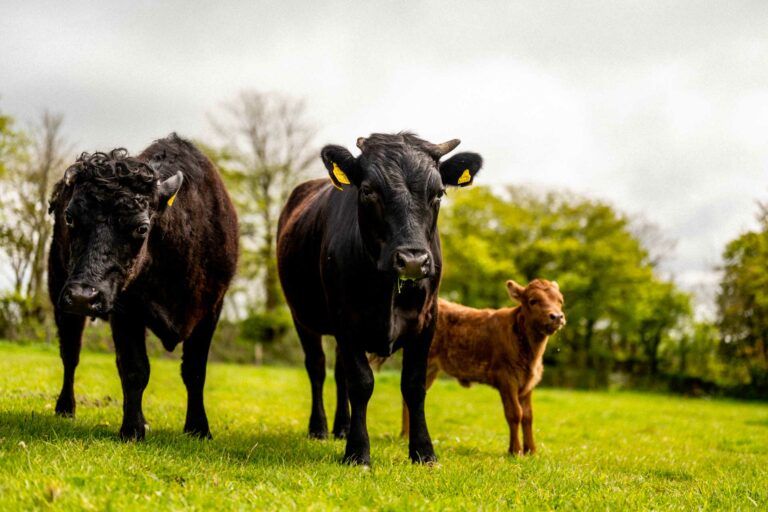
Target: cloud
[{"x": 659, "y": 108}]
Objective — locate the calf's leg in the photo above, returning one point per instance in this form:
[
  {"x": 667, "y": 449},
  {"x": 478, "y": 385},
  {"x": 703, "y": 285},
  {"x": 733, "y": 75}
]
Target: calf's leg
[
  {"x": 70, "y": 329},
  {"x": 528, "y": 445},
  {"x": 414, "y": 389},
  {"x": 360, "y": 387},
  {"x": 314, "y": 362},
  {"x": 514, "y": 413},
  {"x": 341, "y": 419},
  {"x": 194, "y": 362},
  {"x": 133, "y": 365}
]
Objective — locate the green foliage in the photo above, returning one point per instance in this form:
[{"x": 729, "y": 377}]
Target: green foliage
[
  {"x": 597, "y": 450},
  {"x": 618, "y": 309},
  {"x": 743, "y": 302}
]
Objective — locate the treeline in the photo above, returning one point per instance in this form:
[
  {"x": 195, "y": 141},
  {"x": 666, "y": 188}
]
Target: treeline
[{"x": 627, "y": 324}]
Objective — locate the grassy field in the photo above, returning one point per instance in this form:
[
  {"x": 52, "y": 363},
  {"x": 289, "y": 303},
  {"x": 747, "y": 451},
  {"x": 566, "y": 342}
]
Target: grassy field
[{"x": 596, "y": 450}]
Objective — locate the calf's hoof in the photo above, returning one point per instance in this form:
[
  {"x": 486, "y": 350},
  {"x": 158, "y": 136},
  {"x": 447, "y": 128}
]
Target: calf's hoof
[{"x": 65, "y": 407}]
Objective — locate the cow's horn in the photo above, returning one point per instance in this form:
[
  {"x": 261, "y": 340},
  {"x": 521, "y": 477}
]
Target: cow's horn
[
  {"x": 360, "y": 143},
  {"x": 438, "y": 150}
]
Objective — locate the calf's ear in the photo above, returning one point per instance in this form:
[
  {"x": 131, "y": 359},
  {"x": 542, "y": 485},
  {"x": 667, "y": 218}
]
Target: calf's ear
[
  {"x": 342, "y": 166},
  {"x": 169, "y": 187},
  {"x": 460, "y": 169},
  {"x": 515, "y": 291}
]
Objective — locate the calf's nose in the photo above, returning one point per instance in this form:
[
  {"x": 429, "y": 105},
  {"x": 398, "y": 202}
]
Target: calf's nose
[
  {"x": 556, "y": 317},
  {"x": 80, "y": 299},
  {"x": 412, "y": 264}
]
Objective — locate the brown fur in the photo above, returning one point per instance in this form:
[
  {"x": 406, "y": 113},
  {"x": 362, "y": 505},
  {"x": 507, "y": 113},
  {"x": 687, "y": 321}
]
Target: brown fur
[{"x": 502, "y": 348}]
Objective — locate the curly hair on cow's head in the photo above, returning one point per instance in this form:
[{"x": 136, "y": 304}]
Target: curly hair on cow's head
[{"x": 110, "y": 167}]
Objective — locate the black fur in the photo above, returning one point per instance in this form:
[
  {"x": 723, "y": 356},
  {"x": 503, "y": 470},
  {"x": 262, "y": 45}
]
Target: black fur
[
  {"x": 121, "y": 251},
  {"x": 345, "y": 260}
]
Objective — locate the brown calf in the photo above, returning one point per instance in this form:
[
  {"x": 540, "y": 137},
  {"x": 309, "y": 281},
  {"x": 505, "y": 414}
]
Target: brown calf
[{"x": 499, "y": 347}]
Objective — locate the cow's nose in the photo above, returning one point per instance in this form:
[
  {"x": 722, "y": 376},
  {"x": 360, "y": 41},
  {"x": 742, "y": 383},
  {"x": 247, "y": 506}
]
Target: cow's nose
[
  {"x": 412, "y": 264},
  {"x": 556, "y": 317},
  {"x": 80, "y": 299}
]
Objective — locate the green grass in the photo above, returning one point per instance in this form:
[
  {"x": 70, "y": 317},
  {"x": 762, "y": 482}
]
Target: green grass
[{"x": 597, "y": 450}]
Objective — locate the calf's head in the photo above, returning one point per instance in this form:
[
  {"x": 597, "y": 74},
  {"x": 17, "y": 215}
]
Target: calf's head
[
  {"x": 104, "y": 208},
  {"x": 542, "y": 304},
  {"x": 399, "y": 181}
]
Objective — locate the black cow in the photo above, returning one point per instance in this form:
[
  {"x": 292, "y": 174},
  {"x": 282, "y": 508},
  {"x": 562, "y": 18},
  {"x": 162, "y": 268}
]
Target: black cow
[
  {"x": 146, "y": 242},
  {"x": 363, "y": 263}
]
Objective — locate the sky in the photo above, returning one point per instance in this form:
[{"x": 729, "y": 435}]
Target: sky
[{"x": 658, "y": 108}]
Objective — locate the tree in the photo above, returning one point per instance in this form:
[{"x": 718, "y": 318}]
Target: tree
[
  {"x": 742, "y": 301},
  {"x": 617, "y": 307},
  {"x": 25, "y": 227},
  {"x": 266, "y": 149}
]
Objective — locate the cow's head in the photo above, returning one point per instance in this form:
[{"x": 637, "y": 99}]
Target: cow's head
[
  {"x": 542, "y": 304},
  {"x": 105, "y": 207},
  {"x": 399, "y": 181}
]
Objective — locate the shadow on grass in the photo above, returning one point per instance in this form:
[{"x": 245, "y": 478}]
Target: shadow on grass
[{"x": 260, "y": 448}]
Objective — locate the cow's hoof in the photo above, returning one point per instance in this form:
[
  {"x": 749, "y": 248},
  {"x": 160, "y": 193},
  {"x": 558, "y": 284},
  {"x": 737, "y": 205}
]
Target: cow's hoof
[
  {"x": 357, "y": 460},
  {"x": 430, "y": 459},
  {"x": 65, "y": 407},
  {"x": 133, "y": 432},
  {"x": 198, "y": 432},
  {"x": 318, "y": 434},
  {"x": 341, "y": 433}
]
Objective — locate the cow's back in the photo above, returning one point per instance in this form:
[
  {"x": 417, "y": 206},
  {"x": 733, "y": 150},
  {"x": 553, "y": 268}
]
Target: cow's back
[
  {"x": 300, "y": 237},
  {"x": 194, "y": 246}
]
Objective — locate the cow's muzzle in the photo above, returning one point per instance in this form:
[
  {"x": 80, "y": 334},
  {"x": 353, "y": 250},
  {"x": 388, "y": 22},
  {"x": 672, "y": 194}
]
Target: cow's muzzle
[
  {"x": 82, "y": 299},
  {"x": 412, "y": 264}
]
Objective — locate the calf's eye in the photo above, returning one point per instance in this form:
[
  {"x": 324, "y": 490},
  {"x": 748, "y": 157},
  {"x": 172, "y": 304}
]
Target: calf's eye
[
  {"x": 533, "y": 302},
  {"x": 142, "y": 230},
  {"x": 68, "y": 219}
]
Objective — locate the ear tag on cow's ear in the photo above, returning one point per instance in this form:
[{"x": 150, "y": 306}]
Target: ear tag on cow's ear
[
  {"x": 340, "y": 177},
  {"x": 464, "y": 178},
  {"x": 172, "y": 199}
]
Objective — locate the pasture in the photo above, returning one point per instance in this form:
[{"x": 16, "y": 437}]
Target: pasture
[{"x": 597, "y": 450}]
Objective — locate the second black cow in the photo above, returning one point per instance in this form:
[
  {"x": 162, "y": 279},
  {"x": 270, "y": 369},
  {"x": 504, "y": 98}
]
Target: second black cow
[
  {"x": 363, "y": 263},
  {"x": 146, "y": 242}
]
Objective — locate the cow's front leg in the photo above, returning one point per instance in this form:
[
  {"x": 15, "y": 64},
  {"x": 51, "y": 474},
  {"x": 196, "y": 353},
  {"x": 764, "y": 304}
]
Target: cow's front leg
[
  {"x": 360, "y": 389},
  {"x": 413, "y": 386},
  {"x": 341, "y": 418},
  {"x": 132, "y": 363},
  {"x": 70, "y": 328},
  {"x": 193, "y": 368}
]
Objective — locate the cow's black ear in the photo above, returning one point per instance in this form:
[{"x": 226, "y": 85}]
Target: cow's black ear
[
  {"x": 342, "y": 166},
  {"x": 460, "y": 169},
  {"x": 169, "y": 187}
]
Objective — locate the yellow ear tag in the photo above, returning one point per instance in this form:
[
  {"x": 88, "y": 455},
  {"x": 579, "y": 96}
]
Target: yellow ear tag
[
  {"x": 465, "y": 177},
  {"x": 340, "y": 176},
  {"x": 172, "y": 199}
]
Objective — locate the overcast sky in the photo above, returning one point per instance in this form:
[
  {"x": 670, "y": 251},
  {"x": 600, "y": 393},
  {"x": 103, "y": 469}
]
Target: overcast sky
[{"x": 658, "y": 107}]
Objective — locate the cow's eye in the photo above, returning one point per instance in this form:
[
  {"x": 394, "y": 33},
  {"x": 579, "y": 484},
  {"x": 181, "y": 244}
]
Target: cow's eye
[
  {"x": 367, "y": 192},
  {"x": 533, "y": 302},
  {"x": 142, "y": 229},
  {"x": 438, "y": 197},
  {"x": 68, "y": 219}
]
